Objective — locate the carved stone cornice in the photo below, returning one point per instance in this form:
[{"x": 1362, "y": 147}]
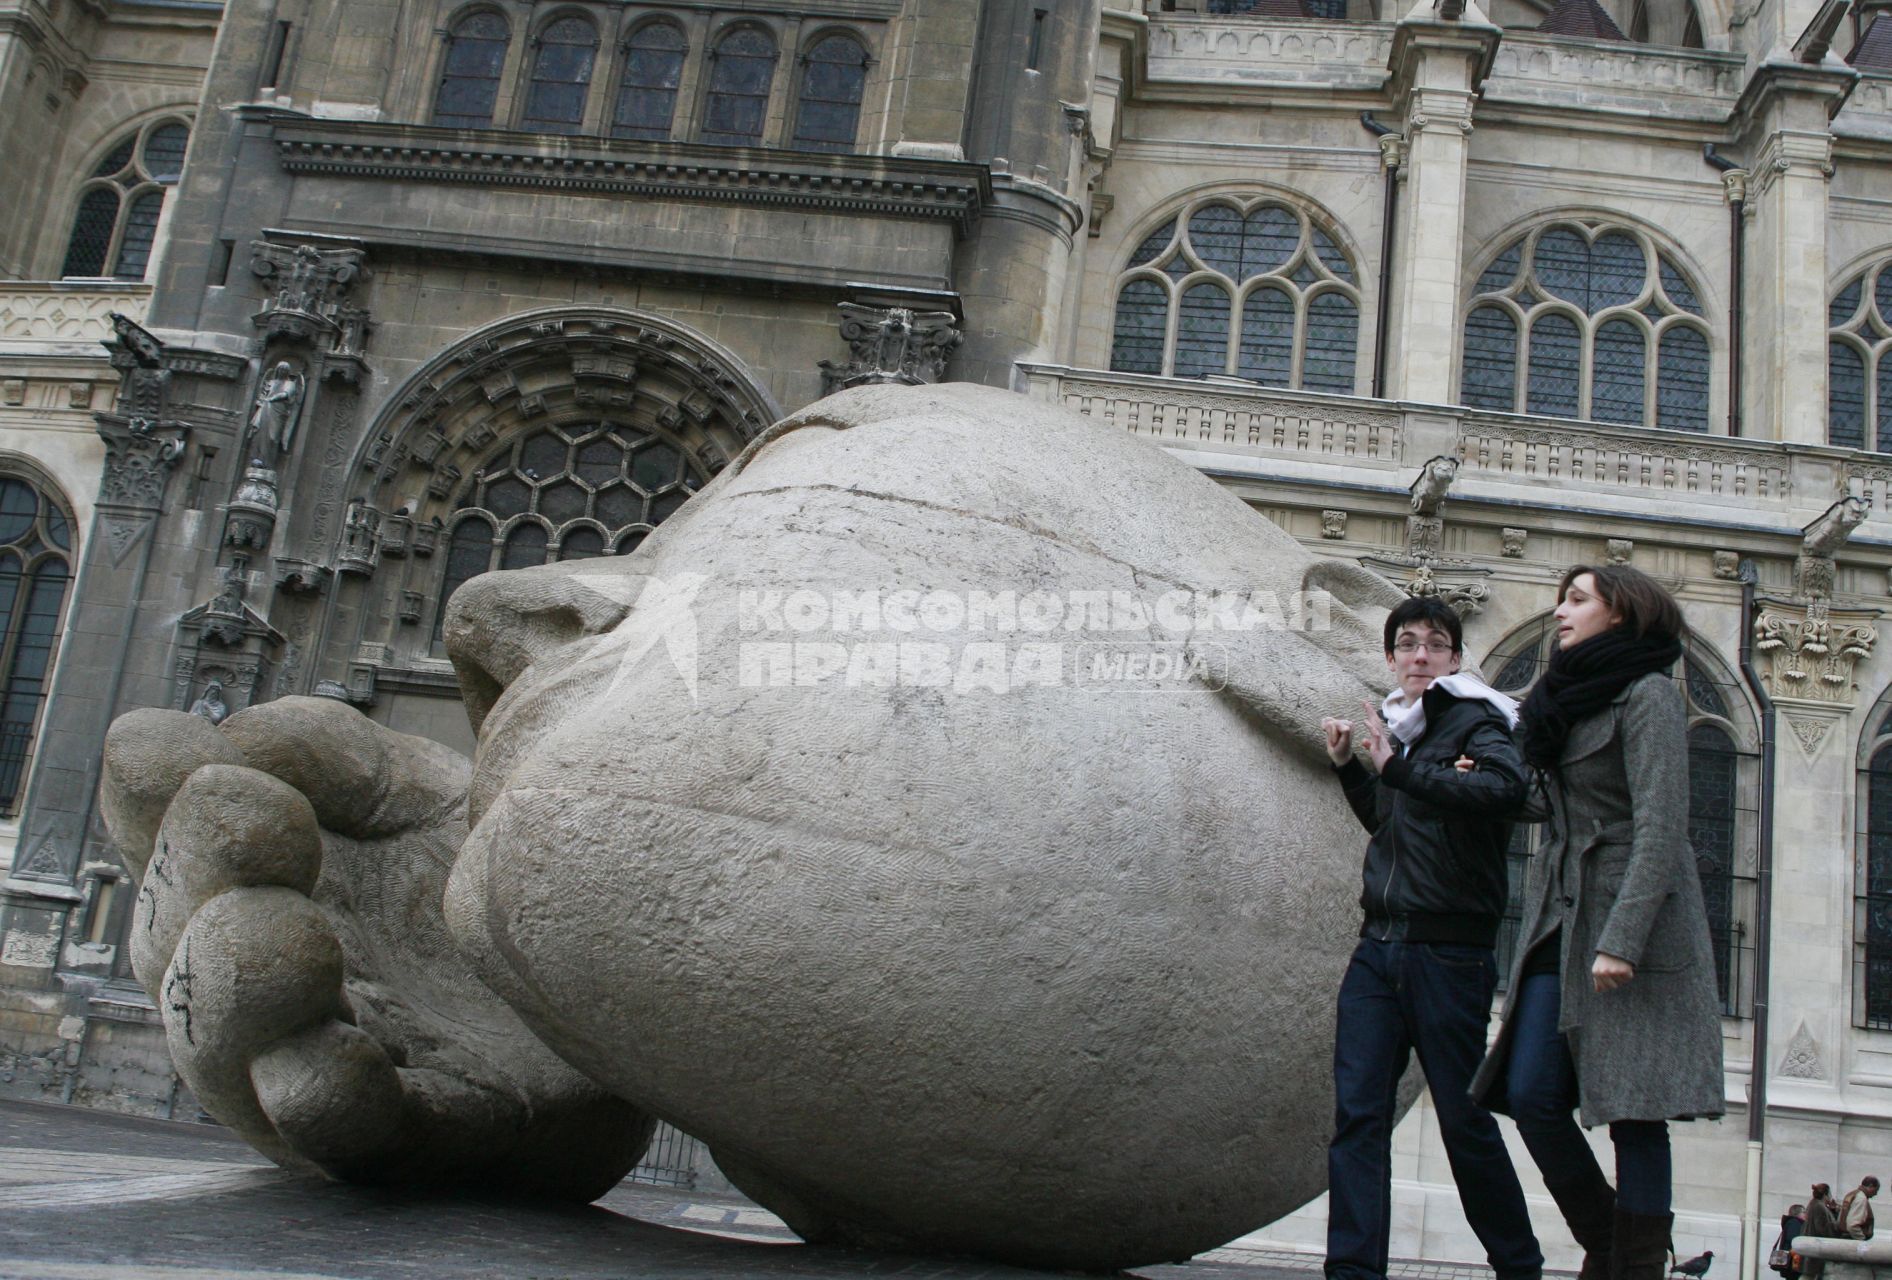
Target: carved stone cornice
[{"x": 882, "y": 185}]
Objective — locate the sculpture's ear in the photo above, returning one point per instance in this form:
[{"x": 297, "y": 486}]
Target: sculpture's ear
[
  {"x": 1361, "y": 599},
  {"x": 498, "y": 624}
]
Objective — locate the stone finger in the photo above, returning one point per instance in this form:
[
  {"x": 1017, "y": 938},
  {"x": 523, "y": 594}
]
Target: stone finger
[
  {"x": 332, "y": 1094},
  {"x": 148, "y": 755},
  {"x": 363, "y": 780},
  {"x": 230, "y": 827},
  {"x": 254, "y": 967}
]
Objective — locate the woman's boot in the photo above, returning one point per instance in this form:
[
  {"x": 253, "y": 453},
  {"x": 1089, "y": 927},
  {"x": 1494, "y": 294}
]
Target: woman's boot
[
  {"x": 1588, "y": 1204},
  {"x": 1640, "y": 1247}
]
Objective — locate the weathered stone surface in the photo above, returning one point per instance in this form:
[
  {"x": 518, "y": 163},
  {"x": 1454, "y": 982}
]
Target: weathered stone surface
[{"x": 1041, "y": 970}]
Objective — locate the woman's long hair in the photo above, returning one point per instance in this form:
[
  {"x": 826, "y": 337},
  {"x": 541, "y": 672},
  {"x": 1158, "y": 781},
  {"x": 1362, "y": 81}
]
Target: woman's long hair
[{"x": 1646, "y": 606}]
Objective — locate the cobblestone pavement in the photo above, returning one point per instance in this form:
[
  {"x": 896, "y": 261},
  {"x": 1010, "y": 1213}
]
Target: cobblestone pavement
[{"x": 87, "y": 1195}]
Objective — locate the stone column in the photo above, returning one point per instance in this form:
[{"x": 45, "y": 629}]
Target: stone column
[
  {"x": 1782, "y": 125},
  {"x": 58, "y": 813},
  {"x": 1437, "y": 67}
]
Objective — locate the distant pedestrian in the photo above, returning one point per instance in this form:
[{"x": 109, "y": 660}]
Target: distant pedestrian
[
  {"x": 1782, "y": 1260},
  {"x": 1855, "y": 1211},
  {"x": 1822, "y": 1221}
]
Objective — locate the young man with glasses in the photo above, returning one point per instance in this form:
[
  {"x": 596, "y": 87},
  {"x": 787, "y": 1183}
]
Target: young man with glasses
[{"x": 1446, "y": 780}]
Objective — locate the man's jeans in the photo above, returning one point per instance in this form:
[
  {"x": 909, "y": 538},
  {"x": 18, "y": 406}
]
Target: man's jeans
[{"x": 1435, "y": 999}]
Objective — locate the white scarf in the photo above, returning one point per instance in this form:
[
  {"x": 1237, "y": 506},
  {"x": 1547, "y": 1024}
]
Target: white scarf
[{"x": 1406, "y": 719}]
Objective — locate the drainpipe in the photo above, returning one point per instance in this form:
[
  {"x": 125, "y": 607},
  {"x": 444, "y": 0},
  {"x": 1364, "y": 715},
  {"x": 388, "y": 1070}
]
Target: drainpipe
[
  {"x": 1389, "y": 208},
  {"x": 1763, "y": 932},
  {"x": 1737, "y": 242}
]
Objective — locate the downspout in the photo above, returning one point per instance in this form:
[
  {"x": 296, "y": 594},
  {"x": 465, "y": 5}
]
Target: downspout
[
  {"x": 1737, "y": 243},
  {"x": 1763, "y": 933},
  {"x": 1389, "y": 209}
]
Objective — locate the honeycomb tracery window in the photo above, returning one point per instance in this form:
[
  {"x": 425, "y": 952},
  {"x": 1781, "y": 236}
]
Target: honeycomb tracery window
[
  {"x": 1859, "y": 362},
  {"x": 1256, "y": 291},
  {"x": 568, "y": 492},
  {"x": 469, "y": 76},
  {"x": 117, "y": 218},
  {"x": 1723, "y": 790},
  {"x": 1599, "y": 322},
  {"x": 35, "y": 571}
]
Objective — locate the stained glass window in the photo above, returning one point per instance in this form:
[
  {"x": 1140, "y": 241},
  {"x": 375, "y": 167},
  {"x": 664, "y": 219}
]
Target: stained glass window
[
  {"x": 561, "y": 76},
  {"x": 469, "y": 76},
  {"x": 1859, "y": 362},
  {"x": 834, "y": 75},
  {"x": 34, "y": 574},
  {"x": 1142, "y": 312},
  {"x": 1596, "y": 298},
  {"x": 1298, "y": 321},
  {"x": 1619, "y": 354},
  {"x": 653, "y": 67},
  {"x": 116, "y": 218},
  {"x": 1873, "y": 921},
  {"x": 742, "y": 67}
]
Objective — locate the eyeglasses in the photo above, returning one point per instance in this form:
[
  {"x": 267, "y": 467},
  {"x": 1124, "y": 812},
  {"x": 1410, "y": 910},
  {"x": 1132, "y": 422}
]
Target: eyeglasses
[{"x": 1437, "y": 648}]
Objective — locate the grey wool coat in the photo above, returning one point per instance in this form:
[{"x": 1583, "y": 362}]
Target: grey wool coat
[{"x": 1615, "y": 874}]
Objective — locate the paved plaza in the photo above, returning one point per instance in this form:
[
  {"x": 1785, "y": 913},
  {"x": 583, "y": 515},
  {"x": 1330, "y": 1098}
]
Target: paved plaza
[{"x": 87, "y": 1194}]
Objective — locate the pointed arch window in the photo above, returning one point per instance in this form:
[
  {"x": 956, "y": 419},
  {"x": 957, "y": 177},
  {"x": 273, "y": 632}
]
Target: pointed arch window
[
  {"x": 35, "y": 572},
  {"x": 117, "y": 219},
  {"x": 833, "y": 78},
  {"x": 1723, "y": 788},
  {"x": 1257, "y": 291},
  {"x": 1859, "y": 362},
  {"x": 1601, "y": 323},
  {"x": 561, "y": 76},
  {"x": 742, "y": 69},
  {"x": 653, "y": 68},
  {"x": 568, "y": 492},
  {"x": 469, "y": 75}
]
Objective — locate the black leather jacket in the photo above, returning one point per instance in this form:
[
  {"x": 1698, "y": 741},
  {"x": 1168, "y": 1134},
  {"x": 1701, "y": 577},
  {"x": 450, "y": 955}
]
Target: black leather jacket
[{"x": 1435, "y": 869}]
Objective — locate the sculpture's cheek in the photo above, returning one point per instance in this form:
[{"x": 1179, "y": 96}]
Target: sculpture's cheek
[{"x": 1064, "y": 964}]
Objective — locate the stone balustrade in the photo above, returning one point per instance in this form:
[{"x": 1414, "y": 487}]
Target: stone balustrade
[
  {"x": 1232, "y": 427},
  {"x": 1237, "y": 50},
  {"x": 67, "y": 311}
]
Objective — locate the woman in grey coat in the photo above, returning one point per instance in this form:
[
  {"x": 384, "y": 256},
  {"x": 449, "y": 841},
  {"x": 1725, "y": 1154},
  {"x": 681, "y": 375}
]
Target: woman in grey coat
[{"x": 1612, "y": 1007}]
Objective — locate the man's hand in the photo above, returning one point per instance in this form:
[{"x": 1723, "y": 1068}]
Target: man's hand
[
  {"x": 1339, "y": 740},
  {"x": 1379, "y": 745},
  {"x": 1609, "y": 972}
]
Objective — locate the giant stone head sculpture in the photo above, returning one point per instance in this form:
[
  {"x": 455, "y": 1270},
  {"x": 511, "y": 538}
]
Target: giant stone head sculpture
[{"x": 842, "y": 825}]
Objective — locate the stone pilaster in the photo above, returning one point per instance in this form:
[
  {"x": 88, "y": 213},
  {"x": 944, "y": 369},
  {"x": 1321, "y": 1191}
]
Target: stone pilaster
[
  {"x": 1782, "y": 125},
  {"x": 1437, "y": 68}
]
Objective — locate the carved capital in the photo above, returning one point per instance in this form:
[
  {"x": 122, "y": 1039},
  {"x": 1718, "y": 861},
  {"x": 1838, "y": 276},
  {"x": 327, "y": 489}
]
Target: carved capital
[
  {"x": 139, "y": 457},
  {"x": 1809, "y": 650},
  {"x": 309, "y": 285},
  {"x": 891, "y": 344}
]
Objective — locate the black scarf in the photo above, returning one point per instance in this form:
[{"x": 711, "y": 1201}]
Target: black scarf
[{"x": 1582, "y": 680}]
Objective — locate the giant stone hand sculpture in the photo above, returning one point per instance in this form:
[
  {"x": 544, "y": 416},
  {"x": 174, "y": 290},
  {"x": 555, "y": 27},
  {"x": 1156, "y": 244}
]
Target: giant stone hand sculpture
[{"x": 1041, "y": 970}]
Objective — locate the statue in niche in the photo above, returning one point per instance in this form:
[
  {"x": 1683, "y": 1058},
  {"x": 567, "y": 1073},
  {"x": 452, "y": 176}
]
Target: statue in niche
[
  {"x": 211, "y": 705},
  {"x": 978, "y": 966},
  {"x": 277, "y": 406}
]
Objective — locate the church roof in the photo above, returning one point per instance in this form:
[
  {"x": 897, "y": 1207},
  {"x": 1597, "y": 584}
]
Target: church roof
[
  {"x": 1584, "y": 19},
  {"x": 1874, "y": 50}
]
